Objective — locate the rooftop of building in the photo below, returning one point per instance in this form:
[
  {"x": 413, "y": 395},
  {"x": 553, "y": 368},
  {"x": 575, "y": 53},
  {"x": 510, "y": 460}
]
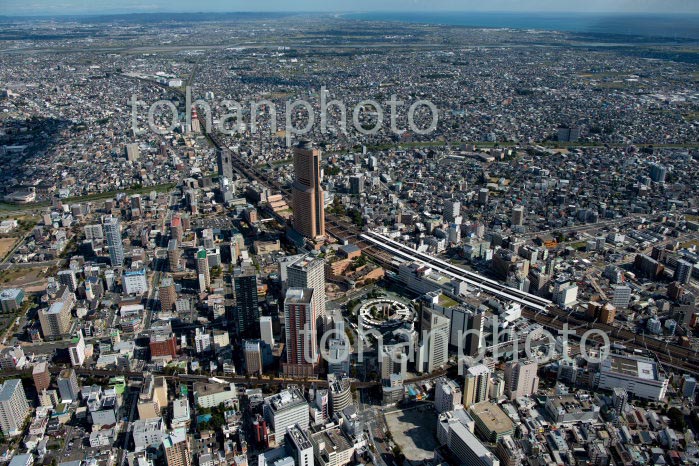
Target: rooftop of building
[
  {"x": 298, "y": 296},
  {"x": 330, "y": 441},
  {"x": 299, "y": 436},
  {"x": 285, "y": 399},
  {"x": 636, "y": 367},
  {"x": 492, "y": 416},
  {"x": 7, "y": 389},
  {"x": 207, "y": 388}
]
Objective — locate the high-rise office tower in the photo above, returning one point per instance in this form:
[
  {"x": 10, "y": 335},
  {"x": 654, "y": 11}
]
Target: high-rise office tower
[
  {"x": 658, "y": 173},
  {"x": 252, "y": 352},
  {"x": 307, "y": 193},
  {"x": 483, "y": 196},
  {"x": 518, "y": 216},
  {"x": 300, "y": 323},
  {"x": 112, "y": 231},
  {"x": 309, "y": 272},
  {"x": 247, "y": 311},
  {"x": 266, "y": 332},
  {"x": 13, "y": 407},
  {"x": 356, "y": 184},
  {"x": 433, "y": 352}
]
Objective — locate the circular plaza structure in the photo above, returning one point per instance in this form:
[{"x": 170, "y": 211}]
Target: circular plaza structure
[{"x": 384, "y": 314}]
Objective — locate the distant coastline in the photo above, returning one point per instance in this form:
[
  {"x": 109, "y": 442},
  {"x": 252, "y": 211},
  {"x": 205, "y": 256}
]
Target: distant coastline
[{"x": 669, "y": 26}]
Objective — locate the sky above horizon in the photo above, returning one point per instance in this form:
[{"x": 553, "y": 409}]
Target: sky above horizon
[{"x": 68, "y": 7}]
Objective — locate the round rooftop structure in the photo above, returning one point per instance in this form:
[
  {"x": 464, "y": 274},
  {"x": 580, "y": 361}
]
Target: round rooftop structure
[{"x": 384, "y": 313}]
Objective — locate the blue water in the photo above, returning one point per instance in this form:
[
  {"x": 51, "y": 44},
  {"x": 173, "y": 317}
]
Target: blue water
[{"x": 673, "y": 26}]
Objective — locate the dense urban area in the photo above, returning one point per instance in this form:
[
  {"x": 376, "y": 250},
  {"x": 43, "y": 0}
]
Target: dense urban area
[{"x": 228, "y": 278}]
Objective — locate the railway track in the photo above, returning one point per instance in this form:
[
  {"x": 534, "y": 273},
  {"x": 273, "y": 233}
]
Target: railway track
[{"x": 668, "y": 354}]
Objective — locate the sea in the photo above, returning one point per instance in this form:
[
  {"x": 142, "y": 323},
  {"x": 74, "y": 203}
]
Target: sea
[{"x": 667, "y": 26}]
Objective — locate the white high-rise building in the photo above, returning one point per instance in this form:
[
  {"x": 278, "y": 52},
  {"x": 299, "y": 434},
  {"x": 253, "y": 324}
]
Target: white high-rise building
[
  {"x": 433, "y": 351},
  {"x": 286, "y": 409},
  {"x": 266, "y": 333},
  {"x": 447, "y": 395},
  {"x": 112, "y": 232},
  {"x": 13, "y": 407},
  {"x": 521, "y": 379},
  {"x": 77, "y": 349},
  {"x": 309, "y": 272}
]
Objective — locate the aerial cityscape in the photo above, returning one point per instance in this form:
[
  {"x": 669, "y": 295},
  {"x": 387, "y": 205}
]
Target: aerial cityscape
[{"x": 318, "y": 235}]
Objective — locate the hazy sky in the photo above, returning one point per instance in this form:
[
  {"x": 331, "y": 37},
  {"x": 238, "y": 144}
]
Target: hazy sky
[{"x": 57, "y": 7}]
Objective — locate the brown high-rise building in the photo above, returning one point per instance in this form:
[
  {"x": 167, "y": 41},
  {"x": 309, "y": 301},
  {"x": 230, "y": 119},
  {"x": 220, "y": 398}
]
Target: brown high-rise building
[
  {"x": 168, "y": 294},
  {"x": 42, "y": 376},
  {"x": 300, "y": 323},
  {"x": 307, "y": 194}
]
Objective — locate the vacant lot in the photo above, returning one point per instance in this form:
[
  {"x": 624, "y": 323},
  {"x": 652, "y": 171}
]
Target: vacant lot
[
  {"x": 6, "y": 245},
  {"x": 414, "y": 431}
]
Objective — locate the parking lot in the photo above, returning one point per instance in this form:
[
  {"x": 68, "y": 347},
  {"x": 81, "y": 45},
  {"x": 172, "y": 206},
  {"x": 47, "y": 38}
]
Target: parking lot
[{"x": 414, "y": 429}]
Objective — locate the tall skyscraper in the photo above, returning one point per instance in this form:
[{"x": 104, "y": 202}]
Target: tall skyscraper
[
  {"x": 658, "y": 173},
  {"x": 13, "y": 407},
  {"x": 518, "y": 216},
  {"x": 266, "y": 332},
  {"x": 300, "y": 323},
  {"x": 309, "y": 272},
  {"x": 433, "y": 352},
  {"x": 307, "y": 193},
  {"x": 112, "y": 231},
  {"x": 247, "y": 311}
]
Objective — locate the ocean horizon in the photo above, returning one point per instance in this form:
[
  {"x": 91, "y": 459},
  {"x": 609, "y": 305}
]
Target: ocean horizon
[{"x": 668, "y": 26}]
